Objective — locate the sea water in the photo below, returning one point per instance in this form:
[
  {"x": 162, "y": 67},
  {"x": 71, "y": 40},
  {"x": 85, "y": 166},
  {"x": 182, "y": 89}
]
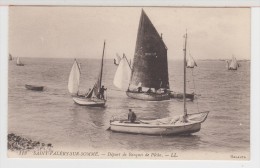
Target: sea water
[{"x": 51, "y": 116}]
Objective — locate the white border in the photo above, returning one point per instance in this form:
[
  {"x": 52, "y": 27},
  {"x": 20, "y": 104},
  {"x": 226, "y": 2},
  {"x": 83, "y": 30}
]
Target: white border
[
  {"x": 187, "y": 3},
  {"x": 33, "y": 163}
]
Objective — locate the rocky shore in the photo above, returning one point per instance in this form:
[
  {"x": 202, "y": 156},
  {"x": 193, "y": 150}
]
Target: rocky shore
[{"x": 18, "y": 143}]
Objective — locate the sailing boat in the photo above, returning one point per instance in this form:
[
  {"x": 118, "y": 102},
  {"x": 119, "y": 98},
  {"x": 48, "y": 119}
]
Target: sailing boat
[
  {"x": 18, "y": 62},
  {"x": 123, "y": 74},
  {"x": 117, "y": 59},
  {"x": 150, "y": 66},
  {"x": 184, "y": 124},
  {"x": 93, "y": 98},
  {"x": 149, "y": 73},
  {"x": 73, "y": 84},
  {"x": 191, "y": 62},
  {"x": 233, "y": 64}
]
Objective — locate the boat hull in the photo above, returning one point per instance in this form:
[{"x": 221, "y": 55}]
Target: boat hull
[
  {"x": 159, "y": 127},
  {"x": 180, "y": 96},
  {"x": 155, "y": 130},
  {"x": 148, "y": 96},
  {"x": 35, "y": 88},
  {"x": 91, "y": 102}
]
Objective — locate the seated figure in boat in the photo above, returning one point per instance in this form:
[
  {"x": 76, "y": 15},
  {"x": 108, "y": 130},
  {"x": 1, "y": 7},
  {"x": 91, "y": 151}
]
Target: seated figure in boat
[
  {"x": 102, "y": 91},
  {"x": 139, "y": 89},
  {"x": 131, "y": 116}
]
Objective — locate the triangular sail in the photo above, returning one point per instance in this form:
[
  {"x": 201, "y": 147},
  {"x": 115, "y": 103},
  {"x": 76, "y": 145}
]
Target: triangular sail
[
  {"x": 122, "y": 75},
  {"x": 233, "y": 64},
  {"x": 98, "y": 83},
  {"x": 18, "y": 62},
  {"x": 150, "y": 66},
  {"x": 191, "y": 62},
  {"x": 73, "y": 84}
]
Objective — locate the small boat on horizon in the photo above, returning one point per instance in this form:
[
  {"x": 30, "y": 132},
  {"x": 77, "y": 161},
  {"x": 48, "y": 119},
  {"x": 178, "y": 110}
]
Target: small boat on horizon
[
  {"x": 184, "y": 124},
  {"x": 18, "y": 62},
  {"x": 10, "y": 58},
  {"x": 34, "y": 87},
  {"x": 93, "y": 98},
  {"x": 232, "y": 64}
]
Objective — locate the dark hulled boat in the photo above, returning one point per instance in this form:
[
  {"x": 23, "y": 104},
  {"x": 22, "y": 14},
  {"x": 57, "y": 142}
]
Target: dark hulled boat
[
  {"x": 34, "y": 87},
  {"x": 150, "y": 67},
  {"x": 147, "y": 78}
]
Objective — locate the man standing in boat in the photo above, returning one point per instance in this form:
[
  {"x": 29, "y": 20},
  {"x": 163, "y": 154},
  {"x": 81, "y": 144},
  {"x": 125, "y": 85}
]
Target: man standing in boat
[
  {"x": 102, "y": 91},
  {"x": 131, "y": 116}
]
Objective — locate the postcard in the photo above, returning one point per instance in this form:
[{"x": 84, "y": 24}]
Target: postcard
[{"x": 129, "y": 83}]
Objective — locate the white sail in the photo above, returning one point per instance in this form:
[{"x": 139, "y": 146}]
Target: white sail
[
  {"x": 191, "y": 62},
  {"x": 73, "y": 84},
  {"x": 18, "y": 62},
  {"x": 233, "y": 64},
  {"x": 123, "y": 74}
]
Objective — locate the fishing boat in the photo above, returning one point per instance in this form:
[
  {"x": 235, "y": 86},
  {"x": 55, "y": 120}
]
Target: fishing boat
[
  {"x": 93, "y": 98},
  {"x": 34, "y": 87},
  {"x": 191, "y": 62},
  {"x": 18, "y": 62},
  {"x": 232, "y": 64},
  {"x": 149, "y": 72},
  {"x": 150, "y": 67},
  {"x": 117, "y": 59},
  {"x": 184, "y": 124}
]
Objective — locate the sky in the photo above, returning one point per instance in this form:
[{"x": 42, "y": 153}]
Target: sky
[{"x": 79, "y": 32}]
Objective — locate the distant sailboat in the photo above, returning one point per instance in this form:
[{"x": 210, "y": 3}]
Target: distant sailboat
[
  {"x": 191, "y": 62},
  {"x": 10, "y": 57},
  {"x": 232, "y": 64},
  {"x": 93, "y": 97},
  {"x": 184, "y": 124},
  {"x": 123, "y": 74},
  {"x": 18, "y": 62},
  {"x": 117, "y": 59}
]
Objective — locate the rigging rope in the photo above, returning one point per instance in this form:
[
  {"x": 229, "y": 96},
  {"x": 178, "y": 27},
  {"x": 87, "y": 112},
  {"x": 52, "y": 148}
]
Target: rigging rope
[
  {"x": 197, "y": 101},
  {"x": 195, "y": 90}
]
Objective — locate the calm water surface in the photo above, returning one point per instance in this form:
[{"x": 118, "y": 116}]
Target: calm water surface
[{"x": 52, "y": 117}]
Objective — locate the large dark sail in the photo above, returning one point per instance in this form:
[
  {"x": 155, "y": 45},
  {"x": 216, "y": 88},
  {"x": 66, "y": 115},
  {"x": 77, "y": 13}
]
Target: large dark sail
[{"x": 150, "y": 67}]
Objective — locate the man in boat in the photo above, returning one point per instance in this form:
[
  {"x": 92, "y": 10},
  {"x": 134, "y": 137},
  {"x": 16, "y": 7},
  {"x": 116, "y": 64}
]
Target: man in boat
[
  {"x": 102, "y": 91},
  {"x": 139, "y": 89},
  {"x": 131, "y": 116}
]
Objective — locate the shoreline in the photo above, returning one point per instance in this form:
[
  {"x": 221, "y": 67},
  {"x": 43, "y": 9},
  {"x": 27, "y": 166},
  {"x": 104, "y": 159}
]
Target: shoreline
[{"x": 18, "y": 143}]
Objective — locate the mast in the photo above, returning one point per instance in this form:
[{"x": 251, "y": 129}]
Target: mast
[
  {"x": 127, "y": 60},
  {"x": 101, "y": 73},
  {"x": 184, "y": 90}
]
